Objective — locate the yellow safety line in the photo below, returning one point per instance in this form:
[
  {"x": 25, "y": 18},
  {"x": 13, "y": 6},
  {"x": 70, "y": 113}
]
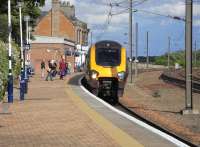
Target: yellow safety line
[{"x": 122, "y": 138}]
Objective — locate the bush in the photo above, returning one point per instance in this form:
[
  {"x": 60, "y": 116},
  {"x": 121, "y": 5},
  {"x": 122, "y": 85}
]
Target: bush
[
  {"x": 162, "y": 60},
  {"x": 175, "y": 57},
  {"x": 4, "y": 65},
  {"x": 16, "y": 61},
  {"x": 3, "y": 69}
]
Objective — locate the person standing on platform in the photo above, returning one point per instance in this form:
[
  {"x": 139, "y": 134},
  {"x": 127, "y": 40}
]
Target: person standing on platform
[
  {"x": 42, "y": 66},
  {"x": 49, "y": 71},
  {"x": 54, "y": 68},
  {"x": 62, "y": 67}
]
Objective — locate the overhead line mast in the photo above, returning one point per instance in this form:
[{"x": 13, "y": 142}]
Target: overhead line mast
[
  {"x": 131, "y": 38},
  {"x": 188, "y": 58}
]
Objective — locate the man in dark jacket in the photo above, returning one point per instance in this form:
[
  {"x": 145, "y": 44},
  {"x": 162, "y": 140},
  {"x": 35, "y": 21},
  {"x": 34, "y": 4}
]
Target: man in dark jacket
[
  {"x": 49, "y": 71},
  {"x": 62, "y": 67}
]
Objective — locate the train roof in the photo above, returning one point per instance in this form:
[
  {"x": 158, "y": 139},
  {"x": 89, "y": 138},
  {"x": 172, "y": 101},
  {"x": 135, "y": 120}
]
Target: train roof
[{"x": 108, "y": 43}]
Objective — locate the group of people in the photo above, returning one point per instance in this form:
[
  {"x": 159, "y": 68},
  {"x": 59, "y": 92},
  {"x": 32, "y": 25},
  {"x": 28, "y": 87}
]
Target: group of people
[{"x": 52, "y": 69}]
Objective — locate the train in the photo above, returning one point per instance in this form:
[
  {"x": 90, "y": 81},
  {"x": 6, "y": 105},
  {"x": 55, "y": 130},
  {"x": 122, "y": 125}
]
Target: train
[{"x": 106, "y": 69}]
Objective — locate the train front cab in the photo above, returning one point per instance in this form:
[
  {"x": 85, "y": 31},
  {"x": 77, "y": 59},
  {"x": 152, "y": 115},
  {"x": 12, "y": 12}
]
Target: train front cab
[{"x": 107, "y": 79}]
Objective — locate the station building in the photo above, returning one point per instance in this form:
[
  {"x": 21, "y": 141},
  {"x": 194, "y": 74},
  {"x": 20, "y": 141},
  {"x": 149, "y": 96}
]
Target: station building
[{"x": 58, "y": 32}]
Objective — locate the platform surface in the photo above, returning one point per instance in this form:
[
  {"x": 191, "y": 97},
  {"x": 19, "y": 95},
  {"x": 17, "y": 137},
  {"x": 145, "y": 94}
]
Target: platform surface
[{"x": 60, "y": 113}]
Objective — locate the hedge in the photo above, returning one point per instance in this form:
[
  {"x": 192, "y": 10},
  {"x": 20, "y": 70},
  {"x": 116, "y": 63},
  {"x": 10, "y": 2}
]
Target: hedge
[
  {"x": 3, "y": 69},
  {"x": 4, "y": 65}
]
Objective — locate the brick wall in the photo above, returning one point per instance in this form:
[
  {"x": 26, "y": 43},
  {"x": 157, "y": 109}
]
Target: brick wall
[
  {"x": 43, "y": 28},
  {"x": 48, "y": 52},
  {"x": 56, "y": 24},
  {"x": 65, "y": 28}
]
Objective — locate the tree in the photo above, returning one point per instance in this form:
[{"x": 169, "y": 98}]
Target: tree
[
  {"x": 30, "y": 8},
  {"x": 3, "y": 27}
]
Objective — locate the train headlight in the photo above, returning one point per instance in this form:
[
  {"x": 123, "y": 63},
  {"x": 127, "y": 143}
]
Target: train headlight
[
  {"x": 121, "y": 75},
  {"x": 93, "y": 74}
]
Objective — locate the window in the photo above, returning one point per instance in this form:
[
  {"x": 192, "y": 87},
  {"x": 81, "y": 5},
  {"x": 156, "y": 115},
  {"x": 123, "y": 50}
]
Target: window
[
  {"x": 68, "y": 52},
  {"x": 108, "y": 56},
  {"x": 76, "y": 54}
]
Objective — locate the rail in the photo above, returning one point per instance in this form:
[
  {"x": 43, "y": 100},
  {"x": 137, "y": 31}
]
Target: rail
[{"x": 178, "y": 79}]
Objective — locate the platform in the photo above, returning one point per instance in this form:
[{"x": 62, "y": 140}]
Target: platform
[{"x": 60, "y": 113}]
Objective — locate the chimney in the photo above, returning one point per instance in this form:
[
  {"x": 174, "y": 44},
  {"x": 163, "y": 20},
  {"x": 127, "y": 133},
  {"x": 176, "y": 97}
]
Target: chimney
[
  {"x": 68, "y": 9},
  {"x": 55, "y": 18}
]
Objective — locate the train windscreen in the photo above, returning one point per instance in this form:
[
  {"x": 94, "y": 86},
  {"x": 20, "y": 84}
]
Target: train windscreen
[{"x": 108, "y": 56}]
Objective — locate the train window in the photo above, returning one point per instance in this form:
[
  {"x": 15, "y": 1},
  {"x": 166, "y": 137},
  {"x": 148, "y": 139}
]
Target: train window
[{"x": 108, "y": 56}]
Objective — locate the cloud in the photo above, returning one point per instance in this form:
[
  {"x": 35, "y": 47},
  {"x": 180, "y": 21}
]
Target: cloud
[
  {"x": 164, "y": 22},
  {"x": 95, "y": 19},
  {"x": 95, "y": 13},
  {"x": 120, "y": 19},
  {"x": 85, "y": 8},
  {"x": 170, "y": 8},
  {"x": 197, "y": 9},
  {"x": 196, "y": 22},
  {"x": 175, "y": 9}
]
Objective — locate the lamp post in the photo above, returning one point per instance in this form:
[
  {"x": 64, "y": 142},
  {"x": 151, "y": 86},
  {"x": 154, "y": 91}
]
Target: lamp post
[
  {"x": 26, "y": 19},
  {"x": 28, "y": 52},
  {"x": 10, "y": 75},
  {"x": 22, "y": 82}
]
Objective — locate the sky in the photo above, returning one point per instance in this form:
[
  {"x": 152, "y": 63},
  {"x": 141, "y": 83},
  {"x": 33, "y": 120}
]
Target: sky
[{"x": 116, "y": 27}]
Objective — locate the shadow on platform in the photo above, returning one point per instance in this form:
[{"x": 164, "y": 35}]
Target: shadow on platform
[{"x": 75, "y": 80}]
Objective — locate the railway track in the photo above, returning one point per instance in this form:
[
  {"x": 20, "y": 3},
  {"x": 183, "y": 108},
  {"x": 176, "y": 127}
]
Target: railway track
[
  {"x": 129, "y": 112},
  {"x": 177, "y": 77},
  {"x": 178, "y": 80}
]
